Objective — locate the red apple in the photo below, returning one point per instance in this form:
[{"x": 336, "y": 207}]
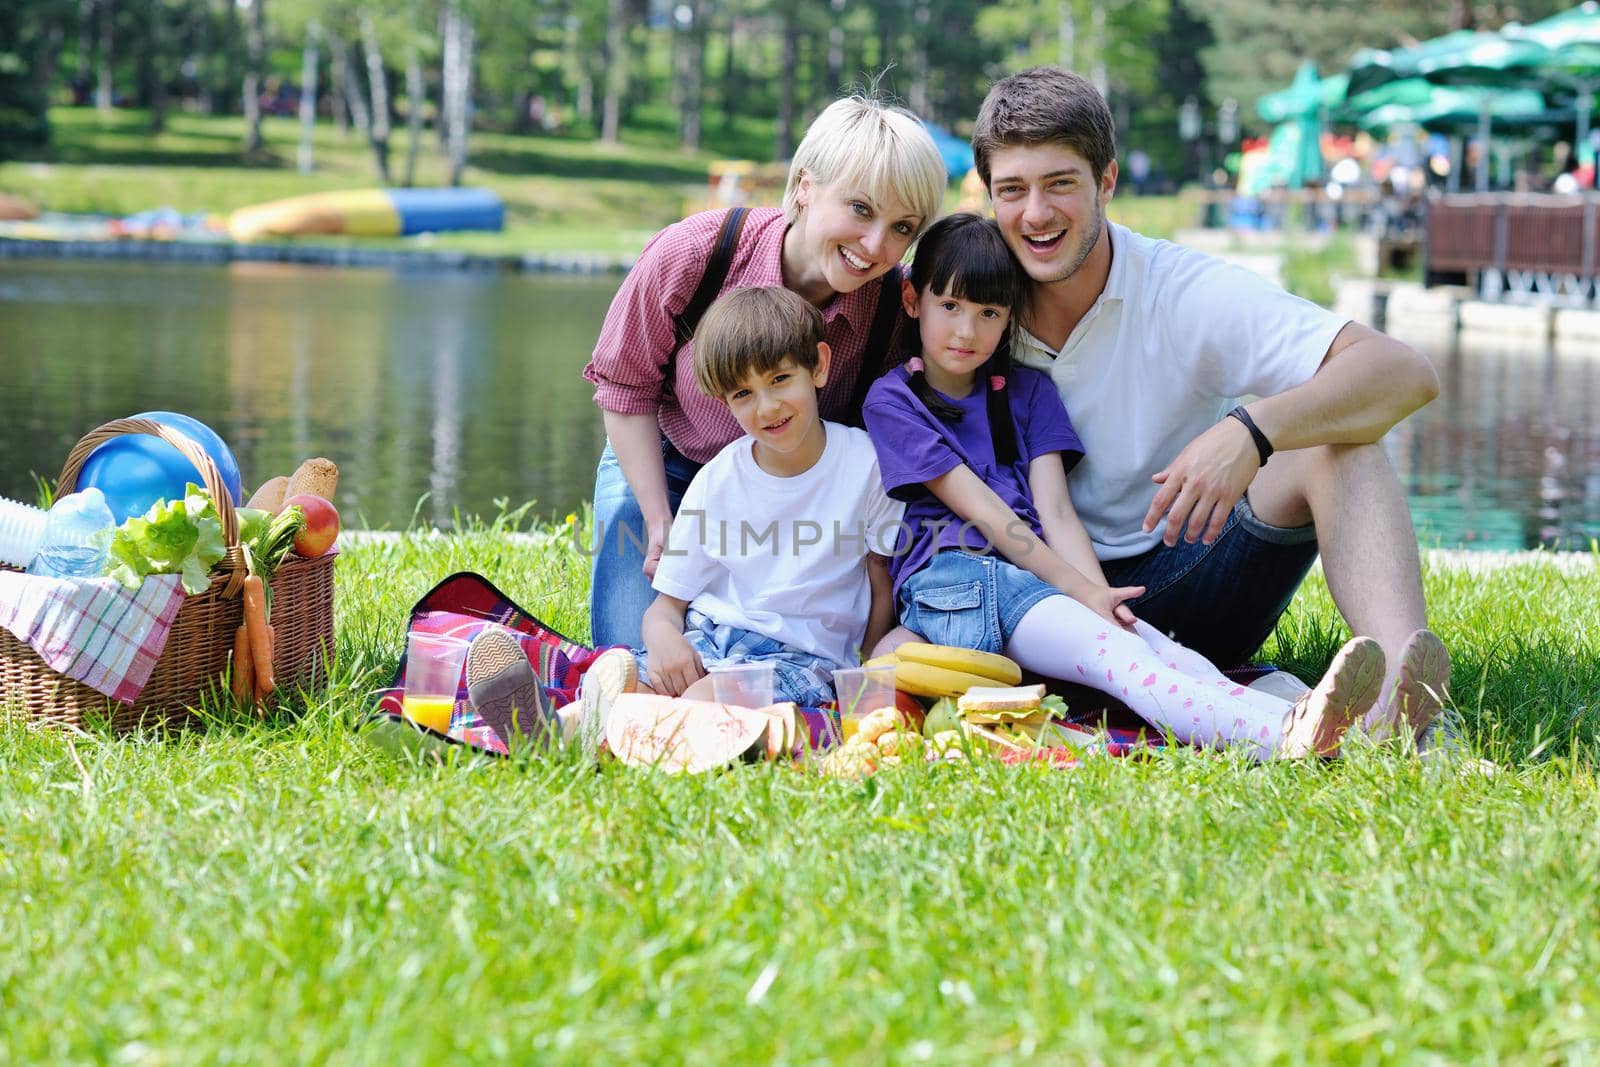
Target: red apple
[{"x": 322, "y": 525}]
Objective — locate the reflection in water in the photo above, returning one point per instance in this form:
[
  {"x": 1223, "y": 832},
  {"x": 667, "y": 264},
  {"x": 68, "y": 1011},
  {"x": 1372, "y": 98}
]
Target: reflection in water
[
  {"x": 1509, "y": 455},
  {"x": 465, "y": 387}
]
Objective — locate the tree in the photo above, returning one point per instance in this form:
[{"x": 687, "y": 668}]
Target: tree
[
  {"x": 24, "y": 32},
  {"x": 256, "y": 52}
]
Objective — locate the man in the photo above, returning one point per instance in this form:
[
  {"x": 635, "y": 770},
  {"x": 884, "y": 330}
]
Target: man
[{"x": 1151, "y": 346}]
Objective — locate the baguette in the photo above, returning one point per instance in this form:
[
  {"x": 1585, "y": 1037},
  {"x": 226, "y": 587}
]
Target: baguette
[
  {"x": 319, "y": 477},
  {"x": 270, "y": 496}
]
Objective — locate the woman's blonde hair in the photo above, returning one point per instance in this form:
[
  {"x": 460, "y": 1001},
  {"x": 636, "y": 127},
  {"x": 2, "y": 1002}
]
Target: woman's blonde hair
[{"x": 884, "y": 149}]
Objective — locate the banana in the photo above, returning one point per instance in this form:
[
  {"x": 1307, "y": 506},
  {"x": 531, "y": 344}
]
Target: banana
[
  {"x": 888, "y": 659},
  {"x": 927, "y": 680},
  {"x": 986, "y": 665}
]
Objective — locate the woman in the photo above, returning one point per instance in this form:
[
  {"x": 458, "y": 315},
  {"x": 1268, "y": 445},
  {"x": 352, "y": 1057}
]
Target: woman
[{"x": 865, "y": 182}]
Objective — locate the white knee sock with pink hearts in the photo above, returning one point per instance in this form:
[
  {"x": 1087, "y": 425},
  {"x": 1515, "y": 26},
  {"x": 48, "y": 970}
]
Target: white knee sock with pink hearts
[{"x": 1166, "y": 684}]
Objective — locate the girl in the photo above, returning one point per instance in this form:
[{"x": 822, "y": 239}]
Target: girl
[
  {"x": 992, "y": 555},
  {"x": 865, "y": 181}
]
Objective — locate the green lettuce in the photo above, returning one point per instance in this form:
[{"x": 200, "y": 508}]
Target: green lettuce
[{"x": 182, "y": 537}]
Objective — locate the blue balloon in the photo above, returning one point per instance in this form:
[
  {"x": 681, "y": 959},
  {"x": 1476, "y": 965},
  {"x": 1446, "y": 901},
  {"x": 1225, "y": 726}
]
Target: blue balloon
[{"x": 136, "y": 470}]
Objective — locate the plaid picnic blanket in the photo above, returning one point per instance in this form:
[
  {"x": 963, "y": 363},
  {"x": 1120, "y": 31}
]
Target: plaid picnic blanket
[
  {"x": 92, "y": 629},
  {"x": 465, "y": 603}
]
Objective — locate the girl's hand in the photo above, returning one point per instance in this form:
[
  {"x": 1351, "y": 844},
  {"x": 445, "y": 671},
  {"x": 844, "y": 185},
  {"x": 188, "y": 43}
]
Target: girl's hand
[
  {"x": 1107, "y": 602},
  {"x": 674, "y": 665}
]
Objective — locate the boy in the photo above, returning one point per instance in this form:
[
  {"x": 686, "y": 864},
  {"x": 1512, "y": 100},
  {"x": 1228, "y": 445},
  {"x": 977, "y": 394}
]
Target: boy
[{"x": 777, "y": 551}]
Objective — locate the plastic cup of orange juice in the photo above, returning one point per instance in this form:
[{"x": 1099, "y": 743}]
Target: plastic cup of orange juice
[
  {"x": 860, "y": 690},
  {"x": 434, "y": 663}
]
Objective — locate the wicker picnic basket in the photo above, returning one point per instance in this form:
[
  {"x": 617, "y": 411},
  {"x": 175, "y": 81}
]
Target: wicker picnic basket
[{"x": 195, "y": 659}]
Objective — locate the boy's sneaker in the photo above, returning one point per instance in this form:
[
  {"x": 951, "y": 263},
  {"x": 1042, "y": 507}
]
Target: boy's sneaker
[
  {"x": 505, "y": 691},
  {"x": 613, "y": 673}
]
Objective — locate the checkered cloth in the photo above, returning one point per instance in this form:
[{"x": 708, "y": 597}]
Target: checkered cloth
[{"x": 92, "y": 629}]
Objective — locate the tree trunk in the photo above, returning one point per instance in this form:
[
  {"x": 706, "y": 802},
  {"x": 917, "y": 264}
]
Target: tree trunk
[
  {"x": 153, "y": 63},
  {"x": 457, "y": 88},
  {"x": 105, "y": 91},
  {"x": 1097, "y": 24},
  {"x": 730, "y": 71},
  {"x": 917, "y": 60},
  {"x": 416, "y": 94},
  {"x": 202, "y": 50},
  {"x": 616, "y": 59},
  {"x": 256, "y": 49},
  {"x": 378, "y": 86},
  {"x": 787, "y": 75},
  {"x": 354, "y": 100},
  {"x": 85, "y": 71},
  {"x": 308, "y": 97},
  {"x": 694, "y": 76},
  {"x": 338, "y": 82},
  {"x": 1067, "y": 35}
]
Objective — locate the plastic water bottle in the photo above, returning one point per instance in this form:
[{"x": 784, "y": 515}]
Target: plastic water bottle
[
  {"x": 77, "y": 535},
  {"x": 21, "y": 530}
]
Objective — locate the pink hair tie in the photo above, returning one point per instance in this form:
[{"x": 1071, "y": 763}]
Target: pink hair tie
[
  {"x": 997, "y": 383},
  {"x": 914, "y": 364}
]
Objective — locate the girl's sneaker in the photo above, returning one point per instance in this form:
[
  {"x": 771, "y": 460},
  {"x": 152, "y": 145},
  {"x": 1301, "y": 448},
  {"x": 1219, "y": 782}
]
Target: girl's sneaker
[
  {"x": 1317, "y": 723},
  {"x": 506, "y": 692}
]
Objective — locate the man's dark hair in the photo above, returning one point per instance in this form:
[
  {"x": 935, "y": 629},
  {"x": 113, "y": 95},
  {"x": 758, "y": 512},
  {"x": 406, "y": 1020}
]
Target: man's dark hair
[{"x": 1045, "y": 105}]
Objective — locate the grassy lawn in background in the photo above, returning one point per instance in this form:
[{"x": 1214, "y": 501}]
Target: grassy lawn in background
[
  {"x": 279, "y": 892},
  {"x": 562, "y": 194}
]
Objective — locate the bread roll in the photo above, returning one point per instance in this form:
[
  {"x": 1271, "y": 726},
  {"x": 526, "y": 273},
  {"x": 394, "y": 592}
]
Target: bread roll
[
  {"x": 319, "y": 477},
  {"x": 270, "y": 496}
]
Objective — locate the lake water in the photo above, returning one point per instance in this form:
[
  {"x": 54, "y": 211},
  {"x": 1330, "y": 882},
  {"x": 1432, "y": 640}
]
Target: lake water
[{"x": 456, "y": 390}]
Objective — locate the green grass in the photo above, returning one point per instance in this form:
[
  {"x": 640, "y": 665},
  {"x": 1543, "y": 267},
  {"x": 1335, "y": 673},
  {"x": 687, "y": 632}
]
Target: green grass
[
  {"x": 279, "y": 892},
  {"x": 561, "y": 194}
]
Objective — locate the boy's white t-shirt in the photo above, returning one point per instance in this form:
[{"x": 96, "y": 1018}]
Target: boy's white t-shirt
[{"x": 784, "y": 557}]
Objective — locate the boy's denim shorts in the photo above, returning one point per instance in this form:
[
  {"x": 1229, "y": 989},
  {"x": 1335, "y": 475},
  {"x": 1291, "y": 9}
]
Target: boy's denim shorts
[
  {"x": 798, "y": 676},
  {"x": 1221, "y": 599},
  {"x": 970, "y": 601}
]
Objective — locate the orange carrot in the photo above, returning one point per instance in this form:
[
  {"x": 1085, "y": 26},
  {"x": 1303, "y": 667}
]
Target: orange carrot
[
  {"x": 270, "y": 683},
  {"x": 255, "y": 621},
  {"x": 244, "y": 677}
]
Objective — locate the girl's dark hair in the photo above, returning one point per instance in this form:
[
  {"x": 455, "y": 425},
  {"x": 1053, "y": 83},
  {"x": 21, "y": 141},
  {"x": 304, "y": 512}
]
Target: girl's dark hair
[{"x": 964, "y": 256}]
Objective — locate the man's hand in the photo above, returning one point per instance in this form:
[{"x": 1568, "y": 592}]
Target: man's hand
[
  {"x": 1200, "y": 487},
  {"x": 1108, "y": 604},
  {"x": 655, "y": 545},
  {"x": 674, "y": 665}
]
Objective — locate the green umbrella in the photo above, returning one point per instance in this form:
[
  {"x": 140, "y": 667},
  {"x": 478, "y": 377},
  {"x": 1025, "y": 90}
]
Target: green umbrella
[
  {"x": 1456, "y": 109},
  {"x": 1307, "y": 95},
  {"x": 1571, "y": 40},
  {"x": 1372, "y": 67}
]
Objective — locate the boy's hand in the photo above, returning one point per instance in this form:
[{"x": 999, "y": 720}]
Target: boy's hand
[
  {"x": 674, "y": 665},
  {"x": 1107, "y": 602}
]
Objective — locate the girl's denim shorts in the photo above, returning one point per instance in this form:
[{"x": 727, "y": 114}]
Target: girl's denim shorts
[{"x": 970, "y": 601}]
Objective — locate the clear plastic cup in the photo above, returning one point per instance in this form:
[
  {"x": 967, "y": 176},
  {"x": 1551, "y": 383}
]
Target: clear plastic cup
[
  {"x": 860, "y": 690},
  {"x": 434, "y": 663},
  {"x": 744, "y": 685}
]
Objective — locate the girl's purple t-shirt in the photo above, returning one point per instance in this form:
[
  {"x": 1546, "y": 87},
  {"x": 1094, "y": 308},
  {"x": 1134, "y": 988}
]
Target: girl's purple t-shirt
[{"x": 914, "y": 447}]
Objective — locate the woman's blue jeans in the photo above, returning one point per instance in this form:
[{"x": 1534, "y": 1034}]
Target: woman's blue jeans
[{"x": 620, "y": 592}]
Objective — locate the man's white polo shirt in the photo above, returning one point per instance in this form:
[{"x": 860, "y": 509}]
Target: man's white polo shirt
[{"x": 1173, "y": 342}]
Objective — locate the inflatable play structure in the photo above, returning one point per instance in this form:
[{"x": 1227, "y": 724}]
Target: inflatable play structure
[{"x": 370, "y": 213}]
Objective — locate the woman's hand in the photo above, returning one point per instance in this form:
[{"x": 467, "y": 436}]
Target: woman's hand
[
  {"x": 656, "y": 545},
  {"x": 674, "y": 665}
]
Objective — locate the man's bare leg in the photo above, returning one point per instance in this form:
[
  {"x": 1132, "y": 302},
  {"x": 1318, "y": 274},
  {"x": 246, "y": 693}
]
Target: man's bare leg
[
  {"x": 893, "y": 640},
  {"x": 1368, "y": 546}
]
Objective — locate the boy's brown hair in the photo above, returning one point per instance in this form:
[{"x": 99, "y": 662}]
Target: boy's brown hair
[
  {"x": 754, "y": 330},
  {"x": 1045, "y": 105}
]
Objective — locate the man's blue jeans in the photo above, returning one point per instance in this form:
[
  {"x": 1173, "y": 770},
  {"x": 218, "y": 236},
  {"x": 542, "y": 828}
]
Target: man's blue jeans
[{"x": 620, "y": 592}]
